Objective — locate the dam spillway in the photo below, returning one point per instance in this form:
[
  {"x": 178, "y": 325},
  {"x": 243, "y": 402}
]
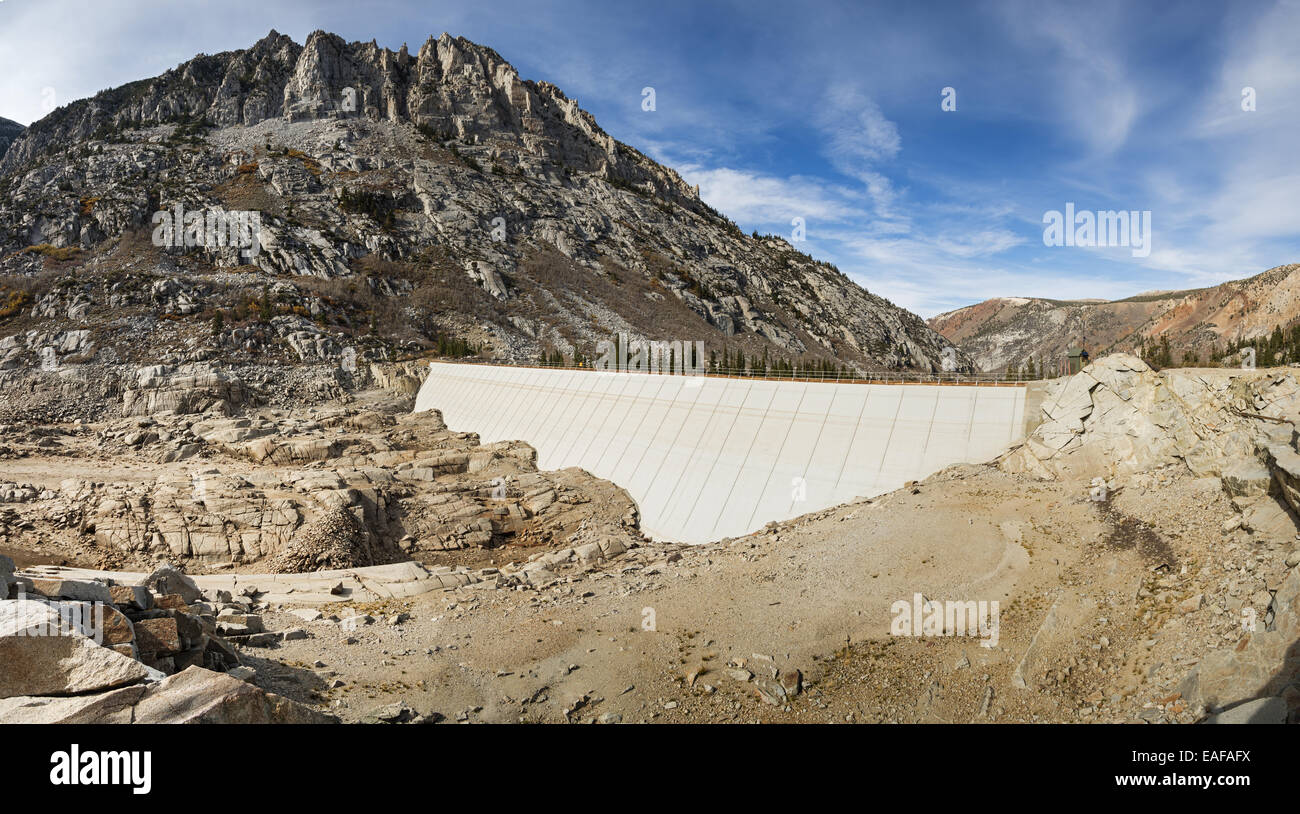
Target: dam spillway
[{"x": 711, "y": 457}]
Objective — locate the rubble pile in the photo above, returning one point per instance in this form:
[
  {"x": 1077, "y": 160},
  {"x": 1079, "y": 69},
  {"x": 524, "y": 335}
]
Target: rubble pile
[
  {"x": 334, "y": 540},
  {"x": 99, "y": 652},
  {"x": 1263, "y": 665}
]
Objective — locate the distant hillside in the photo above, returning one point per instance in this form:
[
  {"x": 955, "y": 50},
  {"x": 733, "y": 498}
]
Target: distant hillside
[{"x": 1198, "y": 323}]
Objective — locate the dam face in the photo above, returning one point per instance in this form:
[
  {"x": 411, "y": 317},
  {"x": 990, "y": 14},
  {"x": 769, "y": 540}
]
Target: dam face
[{"x": 707, "y": 458}]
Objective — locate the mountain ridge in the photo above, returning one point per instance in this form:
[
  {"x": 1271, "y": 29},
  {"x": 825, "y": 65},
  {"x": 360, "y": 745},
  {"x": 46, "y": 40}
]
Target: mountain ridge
[{"x": 367, "y": 163}]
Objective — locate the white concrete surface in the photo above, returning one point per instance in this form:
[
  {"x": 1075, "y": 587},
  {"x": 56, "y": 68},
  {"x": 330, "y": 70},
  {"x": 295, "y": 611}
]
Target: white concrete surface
[{"x": 707, "y": 458}]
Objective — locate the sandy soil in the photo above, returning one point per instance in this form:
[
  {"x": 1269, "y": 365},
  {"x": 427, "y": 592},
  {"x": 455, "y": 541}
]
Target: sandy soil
[{"x": 814, "y": 595}]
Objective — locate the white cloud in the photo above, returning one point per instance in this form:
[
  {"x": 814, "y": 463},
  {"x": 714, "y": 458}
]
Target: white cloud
[
  {"x": 926, "y": 272},
  {"x": 981, "y": 243},
  {"x": 1225, "y": 206},
  {"x": 1261, "y": 56},
  {"x": 751, "y": 197},
  {"x": 858, "y": 138},
  {"x": 857, "y": 131}
]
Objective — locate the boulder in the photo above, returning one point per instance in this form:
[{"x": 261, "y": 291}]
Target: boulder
[
  {"x": 197, "y": 695},
  {"x": 158, "y": 637},
  {"x": 239, "y": 624},
  {"x": 193, "y": 696},
  {"x": 69, "y": 589},
  {"x": 131, "y": 597},
  {"x": 112, "y": 707},
  {"x": 168, "y": 580},
  {"x": 171, "y": 602},
  {"x": 1269, "y": 519},
  {"x": 1247, "y": 478},
  {"x": 30, "y": 617},
  {"x": 396, "y": 713},
  {"x": 115, "y": 627},
  {"x": 219, "y": 655},
  {"x": 69, "y": 664}
]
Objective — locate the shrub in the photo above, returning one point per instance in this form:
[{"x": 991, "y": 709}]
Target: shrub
[
  {"x": 363, "y": 202},
  {"x": 13, "y": 302},
  {"x": 57, "y": 253}
]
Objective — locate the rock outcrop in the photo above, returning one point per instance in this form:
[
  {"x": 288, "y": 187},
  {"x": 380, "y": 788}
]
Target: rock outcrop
[
  {"x": 1117, "y": 422},
  {"x": 308, "y": 490},
  {"x": 161, "y": 389},
  {"x": 1117, "y": 417}
]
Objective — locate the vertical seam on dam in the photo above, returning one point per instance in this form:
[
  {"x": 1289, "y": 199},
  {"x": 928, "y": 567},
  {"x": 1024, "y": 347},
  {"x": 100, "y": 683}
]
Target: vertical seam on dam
[
  {"x": 839, "y": 477},
  {"x": 889, "y": 439}
]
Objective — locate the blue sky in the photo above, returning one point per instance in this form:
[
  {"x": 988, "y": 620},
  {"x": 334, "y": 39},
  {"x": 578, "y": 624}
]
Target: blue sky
[{"x": 831, "y": 112}]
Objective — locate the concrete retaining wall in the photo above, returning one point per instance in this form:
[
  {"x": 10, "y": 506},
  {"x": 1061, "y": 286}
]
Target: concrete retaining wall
[{"x": 707, "y": 458}]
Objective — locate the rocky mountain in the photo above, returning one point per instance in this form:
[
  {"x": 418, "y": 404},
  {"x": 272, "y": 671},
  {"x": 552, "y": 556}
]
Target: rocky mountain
[
  {"x": 403, "y": 203},
  {"x": 1197, "y": 323},
  {"x": 9, "y": 133}
]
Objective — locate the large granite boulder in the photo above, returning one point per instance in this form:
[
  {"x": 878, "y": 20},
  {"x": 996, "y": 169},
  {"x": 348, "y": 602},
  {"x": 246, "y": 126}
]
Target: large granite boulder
[
  {"x": 1117, "y": 417},
  {"x": 41, "y": 653},
  {"x": 192, "y": 696}
]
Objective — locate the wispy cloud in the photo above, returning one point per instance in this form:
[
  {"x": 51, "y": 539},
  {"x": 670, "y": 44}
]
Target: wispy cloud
[
  {"x": 858, "y": 135},
  {"x": 1084, "y": 77}
]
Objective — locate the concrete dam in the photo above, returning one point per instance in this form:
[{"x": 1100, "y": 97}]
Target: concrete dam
[{"x": 713, "y": 457}]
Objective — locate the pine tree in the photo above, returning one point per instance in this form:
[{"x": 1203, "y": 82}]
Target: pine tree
[{"x": 264, "y": 307}]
